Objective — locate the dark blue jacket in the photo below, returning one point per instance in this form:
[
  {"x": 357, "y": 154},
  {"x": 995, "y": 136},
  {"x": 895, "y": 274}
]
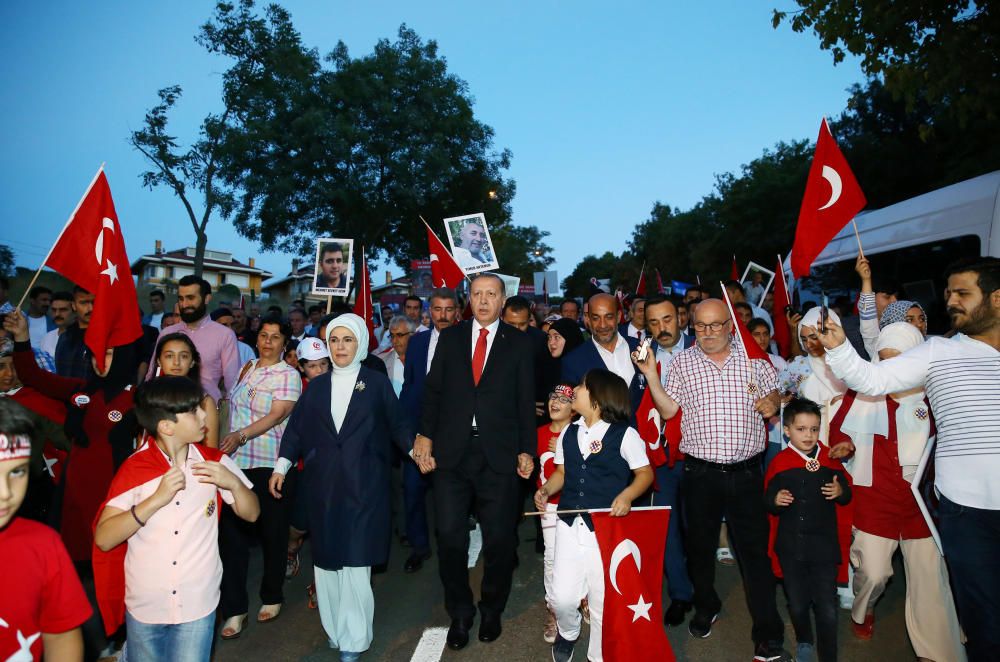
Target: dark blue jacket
[
  {"x": 414, "y": 376},
  {"x": 585, "y": 357}
]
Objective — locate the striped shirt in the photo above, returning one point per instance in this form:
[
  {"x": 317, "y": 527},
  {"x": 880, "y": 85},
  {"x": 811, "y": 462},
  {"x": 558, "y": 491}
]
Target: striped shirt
[
  {"x": 720, "y": 423},
  {"x": 962, "y": 380},
  {"x": 251, "y": 401}
]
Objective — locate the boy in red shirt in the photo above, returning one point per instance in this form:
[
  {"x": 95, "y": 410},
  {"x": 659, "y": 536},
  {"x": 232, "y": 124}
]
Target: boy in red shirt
[{"x": 49, "y": 604}]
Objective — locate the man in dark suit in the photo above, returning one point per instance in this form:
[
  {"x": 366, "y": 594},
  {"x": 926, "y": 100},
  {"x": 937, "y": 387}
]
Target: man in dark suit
[
  {"x": 636, "y": 326},
  {"x": 418, "y": 362},
  {"x": 479, "y": 411},
  {"x": 607, "y": 349}
]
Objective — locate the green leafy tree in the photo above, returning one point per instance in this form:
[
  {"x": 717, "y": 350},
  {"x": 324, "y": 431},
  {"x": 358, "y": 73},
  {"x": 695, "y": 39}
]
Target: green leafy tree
[
  {"x": 577, "y": 284},
  {"x": 6, "y": 261}
]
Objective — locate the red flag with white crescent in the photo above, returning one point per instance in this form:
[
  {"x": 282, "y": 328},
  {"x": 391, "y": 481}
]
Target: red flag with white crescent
[
  {"x": 743, "y": 335},
  {"x": 659, "y": 282},
  {"x": 363, "y": 302},
  {"x": 632, "y": 549},
  {"x": 649, "y": 425},
  {"x": 782, "y": 335},
  {"x": 90, "y": 251},
  {"x": 833, "y": 197},
  {"x": 444, "y": 270}
]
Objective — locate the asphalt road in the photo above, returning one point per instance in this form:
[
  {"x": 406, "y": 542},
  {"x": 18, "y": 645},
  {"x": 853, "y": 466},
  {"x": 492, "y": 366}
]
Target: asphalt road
[{"x": 407, "y": 605}]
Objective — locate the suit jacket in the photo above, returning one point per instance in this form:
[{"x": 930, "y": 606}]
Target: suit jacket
[
  {"x": 585, "y": 357},
  {"x": 503, "y": 402},
  {"x": 414, "y": 375}
]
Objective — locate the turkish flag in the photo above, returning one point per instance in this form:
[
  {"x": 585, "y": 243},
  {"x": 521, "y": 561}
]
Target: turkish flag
[
  {"x": 742, "y": 333},
  {"x": 649, "y": 425},
  {"x": 659, "y": 282},
  {"x": 632, "y": 549},
  {"x": 640, "y": 288},
  {"x": 734, "y": 271},
  {"x": 91, "y": 253},
  {"x": 832, "y": 198},
  {"x": 363, "y": 302},
  {"x": 444, "y": 270},
  {"x": 782, "y": 336}
]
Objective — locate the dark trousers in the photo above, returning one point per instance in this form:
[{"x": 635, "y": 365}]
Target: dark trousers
[
  {"x": 271, "y": 530},
  {"x": 495, "y": 496},
  {"x": 971, "y": 540},
  {"x": 709, "y": 494},
  {"x": 415, "y": 505},
  {"x": 668, "y": 480},
  {"x": 813, "y": 586}
]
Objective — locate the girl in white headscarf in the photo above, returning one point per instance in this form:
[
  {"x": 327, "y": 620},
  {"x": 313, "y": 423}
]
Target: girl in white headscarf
[
  {"x": 887, "y": 436},
  {"x": 344, "y": 427}
]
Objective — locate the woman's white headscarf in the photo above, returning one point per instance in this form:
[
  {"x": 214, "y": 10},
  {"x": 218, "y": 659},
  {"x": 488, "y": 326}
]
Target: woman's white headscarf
[
  {"x": 343, "y": 381},
  {"x": 822, "y": 385}
]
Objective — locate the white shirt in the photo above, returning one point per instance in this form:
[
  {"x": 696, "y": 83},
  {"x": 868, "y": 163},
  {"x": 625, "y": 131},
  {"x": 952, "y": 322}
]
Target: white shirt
[
  {"x": 49, "y": 342},
  {"x": 962, "y": 380},
  {"x": 155, "y": 319},
  {"x": 467, "y": 260},
  {"x": 619, "y": 361},
  {"x": 633, "y": 449},
  {"x": 432, "y": 345},
  {"x": 38, "y": 327},
  {"x": 633, "y": 332}
]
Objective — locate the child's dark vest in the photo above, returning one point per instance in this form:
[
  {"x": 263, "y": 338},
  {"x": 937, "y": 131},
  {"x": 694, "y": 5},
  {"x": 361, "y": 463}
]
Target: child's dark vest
[{"x": 594, "y": 482}]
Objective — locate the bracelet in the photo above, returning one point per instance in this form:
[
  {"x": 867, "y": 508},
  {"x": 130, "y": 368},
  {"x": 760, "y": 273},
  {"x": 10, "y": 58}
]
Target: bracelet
[{"x": 136, "y": 517}]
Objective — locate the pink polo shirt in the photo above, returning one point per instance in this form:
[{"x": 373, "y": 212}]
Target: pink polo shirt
[{"x": 172, "y": 567}]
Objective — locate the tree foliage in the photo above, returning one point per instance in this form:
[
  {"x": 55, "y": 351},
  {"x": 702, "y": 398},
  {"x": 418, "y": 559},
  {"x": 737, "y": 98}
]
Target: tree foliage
[
  {"x": 941, "y": 51},
  {"x": 6, "y": 260}
]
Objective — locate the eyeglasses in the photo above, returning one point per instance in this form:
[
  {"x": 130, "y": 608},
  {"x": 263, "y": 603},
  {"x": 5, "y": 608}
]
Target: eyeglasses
[
  {"x": 714, "y": 326},
  {"x": 562, "y": 399}
]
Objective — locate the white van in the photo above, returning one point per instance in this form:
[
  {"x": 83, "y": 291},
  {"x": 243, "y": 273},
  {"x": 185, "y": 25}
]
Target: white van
[{"x": 912, "y": 242}]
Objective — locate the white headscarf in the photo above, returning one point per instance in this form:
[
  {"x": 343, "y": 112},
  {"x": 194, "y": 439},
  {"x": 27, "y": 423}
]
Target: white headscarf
[
  {"x": 822, "y": 385},
  {"x": 343, "y": 381}
]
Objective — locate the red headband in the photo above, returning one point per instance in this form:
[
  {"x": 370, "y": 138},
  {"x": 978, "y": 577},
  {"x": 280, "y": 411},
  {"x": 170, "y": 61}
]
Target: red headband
[
  {"x": 562, "y": 389},
  {"x": 14, "y": 447}
]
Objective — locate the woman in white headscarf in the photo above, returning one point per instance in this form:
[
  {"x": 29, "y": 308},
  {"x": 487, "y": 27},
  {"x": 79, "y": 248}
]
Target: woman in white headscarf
[
  {"x": 887, "y": 436},
  {"x": 343, "y": 427}
]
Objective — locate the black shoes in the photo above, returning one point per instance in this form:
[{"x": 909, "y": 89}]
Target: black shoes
[
  {"x": 458, "y": 633},
  {"x": 562, "y": 649},
  {"x": 701, "y": 624},
  {"x": 415, "y": 561},
  {"x": 489, "y": 628},
  {"x": 771, "y": 652},
  {"x": 676, "y": 612}
]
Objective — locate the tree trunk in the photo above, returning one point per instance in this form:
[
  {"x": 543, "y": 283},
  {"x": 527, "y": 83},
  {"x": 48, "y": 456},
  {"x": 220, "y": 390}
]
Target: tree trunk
[{"x": 199, "y": 252}]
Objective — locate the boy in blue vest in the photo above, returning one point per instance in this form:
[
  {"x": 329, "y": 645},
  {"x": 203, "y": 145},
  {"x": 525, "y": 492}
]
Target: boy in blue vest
[{"x": 603, "y": 463}]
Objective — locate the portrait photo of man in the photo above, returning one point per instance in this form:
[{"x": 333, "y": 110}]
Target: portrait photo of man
[
  {"x": 333, "y": 266},
  {"x": 470, "y": 243}
]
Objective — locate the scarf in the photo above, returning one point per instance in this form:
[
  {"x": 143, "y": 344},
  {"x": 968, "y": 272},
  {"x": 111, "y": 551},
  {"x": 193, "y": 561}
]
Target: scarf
[
  {"x": 821, "y": 386},
  {"x": 896, "y": 312},
  {"x": 343, "y": 381}
]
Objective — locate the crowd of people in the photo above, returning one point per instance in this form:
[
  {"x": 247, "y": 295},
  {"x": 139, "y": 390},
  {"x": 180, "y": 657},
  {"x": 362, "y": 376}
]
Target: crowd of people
[{"x": 216, "y": 430}]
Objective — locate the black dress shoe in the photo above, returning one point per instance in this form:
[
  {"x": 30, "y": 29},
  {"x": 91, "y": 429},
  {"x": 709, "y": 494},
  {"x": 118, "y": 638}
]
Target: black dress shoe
[
  {"x": 415, "y": 561},
  {"x": 458, "y": 633},
  {"x": 489, "y": 629},
  {"x": 676, "y": 612}
]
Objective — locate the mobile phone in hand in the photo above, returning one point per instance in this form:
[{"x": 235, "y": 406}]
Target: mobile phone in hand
[
  {"x": 824, "y": 313},
  {"x": 643, "y": 348}
]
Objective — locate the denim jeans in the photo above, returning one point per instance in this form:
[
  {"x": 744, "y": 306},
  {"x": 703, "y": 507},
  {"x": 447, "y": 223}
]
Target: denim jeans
[
  {"x": 971, "y": 540},
  {"x": 181, "y": 642}
]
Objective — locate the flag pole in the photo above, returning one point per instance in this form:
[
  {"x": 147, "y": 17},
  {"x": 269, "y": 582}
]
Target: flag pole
[
  {"x": 736, "y": 332},
  {"x": 581, "y": 511},
  {"x": 641, "y": 272},
  {"x": 56, "y": 242},
  {"x": 861, "y": 251}
]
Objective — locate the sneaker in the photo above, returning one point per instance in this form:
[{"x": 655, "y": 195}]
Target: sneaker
[
  {"x": 550, "y": 632},
  {"x": 724, "y": 556},
  {"x": 700, "y": 624},
  {"x": 864, "y": 630},
  {"x": 771, "y": 652},
  {"x": 292, "y": 565},
  {"x": 805, "y": 653},
  {"x": 562, "y": 649}
]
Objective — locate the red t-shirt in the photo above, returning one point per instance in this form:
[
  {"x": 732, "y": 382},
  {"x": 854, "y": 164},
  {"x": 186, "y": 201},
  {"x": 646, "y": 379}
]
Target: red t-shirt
[
  {"x": 47, "y": 596},
  {"x": 546, "y": 458}
]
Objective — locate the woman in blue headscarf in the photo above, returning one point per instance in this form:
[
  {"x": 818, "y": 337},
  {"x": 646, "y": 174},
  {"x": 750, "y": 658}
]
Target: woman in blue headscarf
[{"x": 343, "y": 427}]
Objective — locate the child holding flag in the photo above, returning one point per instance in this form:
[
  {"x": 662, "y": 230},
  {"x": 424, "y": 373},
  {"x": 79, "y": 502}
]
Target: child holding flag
[
  {"x": 164, "y": 503},
  {"x": 806, "y": 493},
  {"x": 605, "y": 462}
]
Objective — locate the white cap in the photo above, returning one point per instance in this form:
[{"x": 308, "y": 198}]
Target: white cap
[{"x": 312, "y": 349}]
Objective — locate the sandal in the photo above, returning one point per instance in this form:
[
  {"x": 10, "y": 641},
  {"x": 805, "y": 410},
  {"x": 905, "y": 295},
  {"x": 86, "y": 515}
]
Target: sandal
[
  {"x": 724, "y": 556},
  {"x": 312, "y": 602},
  {"x": 234, "y": 625},
  {"x": 268, "y": 613}
]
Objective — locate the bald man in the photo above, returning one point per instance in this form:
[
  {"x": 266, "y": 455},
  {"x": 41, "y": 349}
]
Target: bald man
[
  {"x": 607, "y": 348},
  {"x": 726, "y": 399}
]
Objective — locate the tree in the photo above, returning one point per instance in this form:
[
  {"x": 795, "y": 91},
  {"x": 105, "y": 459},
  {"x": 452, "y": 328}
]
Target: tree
[
  {"x": 941, "y": 51},
  {"x": 577, "y": 284},
  {"x": 6, "y": 261}
]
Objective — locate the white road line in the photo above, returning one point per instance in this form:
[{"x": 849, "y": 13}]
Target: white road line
[
  {"x": 431, "y": 645},
  {"x": 475, "y": 545}
]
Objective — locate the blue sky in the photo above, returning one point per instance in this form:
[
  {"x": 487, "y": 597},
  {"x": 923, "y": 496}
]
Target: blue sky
[{"x": 607, "y": 107}]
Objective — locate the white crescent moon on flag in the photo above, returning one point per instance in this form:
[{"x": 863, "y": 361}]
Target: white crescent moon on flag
[
  {"x": 434, "y": 258},
  {"x": 832, "y": 176},
  {"x": 625, "y": 548},
  {"x": 654, "y": 416},
  {"x": 99, "y": 244},
  {"x": 545, "y": 457}
]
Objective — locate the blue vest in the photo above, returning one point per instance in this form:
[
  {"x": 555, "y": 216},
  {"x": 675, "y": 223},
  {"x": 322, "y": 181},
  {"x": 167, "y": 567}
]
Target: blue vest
[{"x": 593, "y": 482}]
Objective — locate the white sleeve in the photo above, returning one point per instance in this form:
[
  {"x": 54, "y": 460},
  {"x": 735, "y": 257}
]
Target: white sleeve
[
  {"x": 228, "y": 463},
  {"x": 284, "y": 464},
  {"x": 633, "y": 450},
  {"x": 560, "y": 456},
  {"x": 900, "y": 373}
]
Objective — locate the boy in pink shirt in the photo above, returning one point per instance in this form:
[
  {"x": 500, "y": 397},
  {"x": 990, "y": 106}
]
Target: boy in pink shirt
[{"x": 164, "y": 503}]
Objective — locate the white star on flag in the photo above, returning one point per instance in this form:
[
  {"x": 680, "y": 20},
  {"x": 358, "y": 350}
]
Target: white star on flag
[
  {"x": 111, "y": 272},
  {"x": 49, "y": 463},
  {"x": 641, "y": 609}
]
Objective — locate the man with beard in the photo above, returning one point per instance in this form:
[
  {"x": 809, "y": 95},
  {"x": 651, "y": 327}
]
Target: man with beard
[
  {"x": 471, "y": 242},
  {"x": 216, "y": 343},
  {"x": 606, "y": 349},
  {"x": 961, "y": 375}
]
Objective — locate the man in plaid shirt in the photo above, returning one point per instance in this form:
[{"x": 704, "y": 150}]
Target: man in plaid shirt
[{"x": 726, "y": 399}]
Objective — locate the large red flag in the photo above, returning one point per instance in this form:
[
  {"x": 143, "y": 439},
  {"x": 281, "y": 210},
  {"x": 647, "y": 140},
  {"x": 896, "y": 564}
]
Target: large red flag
[
  {"x": 782, "y": 335},
  {"x": 444, "y": 270},
  {"x": 832, "y": 198},
  {"x": 91, "y": 253},
  {"x": 363, "y": 302},
  {"x": 632, "y": 549},
  {"x": 742, "y": 333},
  {"x": 734, "y": 271}
]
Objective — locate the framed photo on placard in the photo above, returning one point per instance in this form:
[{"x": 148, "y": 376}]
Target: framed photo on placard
[
  {"x": 334, "y": 266},
  {"x": 756, "y": 281},
  {"x": 470, "y": 242}
]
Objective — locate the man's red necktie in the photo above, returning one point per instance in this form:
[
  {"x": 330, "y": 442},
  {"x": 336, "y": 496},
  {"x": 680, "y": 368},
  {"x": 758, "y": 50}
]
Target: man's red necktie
[{"x": 479, "y": 356}]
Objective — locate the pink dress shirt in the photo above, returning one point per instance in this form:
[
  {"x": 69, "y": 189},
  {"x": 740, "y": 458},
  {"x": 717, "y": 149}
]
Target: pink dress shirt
[{"x": 220, "y": 357}]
